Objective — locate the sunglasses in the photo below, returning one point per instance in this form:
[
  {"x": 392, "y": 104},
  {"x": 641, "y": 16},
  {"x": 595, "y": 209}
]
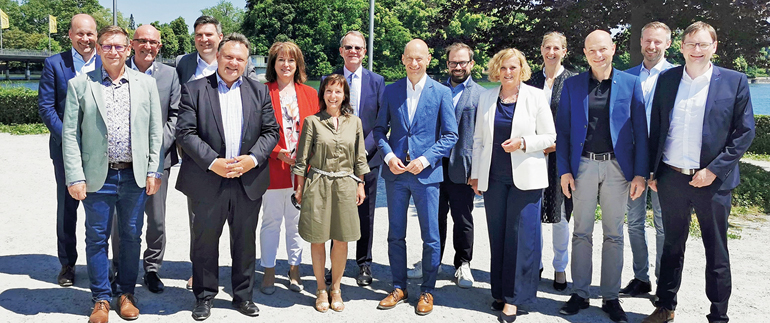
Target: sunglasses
[{"x": 357, "y": 48}]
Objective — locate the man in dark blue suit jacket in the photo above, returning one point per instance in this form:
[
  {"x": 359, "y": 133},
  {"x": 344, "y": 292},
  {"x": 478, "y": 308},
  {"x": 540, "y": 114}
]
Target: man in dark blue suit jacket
[
  {"x": 419, "y": 114},
  {"x": 52, "y": 95},
  {"x": 601, "y": 146},
  {"x": 366, "y": 88},
  {"x": 695, "y": 164}
]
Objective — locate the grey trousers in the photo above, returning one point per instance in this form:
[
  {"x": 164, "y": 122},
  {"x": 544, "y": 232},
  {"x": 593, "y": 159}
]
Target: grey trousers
[
  {"x": 605, "y": 180},
  {"x": 155, "y": 236}
]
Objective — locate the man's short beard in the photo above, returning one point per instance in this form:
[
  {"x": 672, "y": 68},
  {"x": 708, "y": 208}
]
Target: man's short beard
[{"x": 459, "y": 79}]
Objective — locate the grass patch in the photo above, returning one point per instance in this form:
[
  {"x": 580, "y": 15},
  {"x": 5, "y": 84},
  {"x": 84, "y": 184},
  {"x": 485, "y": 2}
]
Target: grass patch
[
  {"x": 24, "y": 129},
  {"x": 762, "y": 157}
]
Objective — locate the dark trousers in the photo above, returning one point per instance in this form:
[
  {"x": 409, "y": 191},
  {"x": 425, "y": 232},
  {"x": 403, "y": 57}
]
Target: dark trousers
[
  {"x": 712, "y": 207},
  {"x": 228, "y": 204},
  {"x": 459, "y": 199},
  {"x": 366, "y": 217},
  {"x": 66, "y": 217}
]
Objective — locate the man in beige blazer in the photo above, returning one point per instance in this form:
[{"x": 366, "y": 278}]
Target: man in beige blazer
[{"x": 112, "y": 137}]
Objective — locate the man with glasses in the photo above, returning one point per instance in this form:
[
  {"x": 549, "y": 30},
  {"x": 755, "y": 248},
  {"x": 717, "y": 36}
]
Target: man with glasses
[
  {"x": 702, "y": 122},
  {"x": 52, "y": 92},
  {"x": 112, "y": 138},
  {"x": 146, "y": 45}
]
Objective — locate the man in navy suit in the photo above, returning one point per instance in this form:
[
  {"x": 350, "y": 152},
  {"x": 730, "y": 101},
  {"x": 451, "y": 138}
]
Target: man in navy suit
[
  {"x": 52, "y": 93},
  {"x": 601, "y": 149},
  {"x": 366, "y": 88},
  {"x": 418, "y": 113},
  {"x": 656, "y": 39},
  {"x": 702, "y": 123}
]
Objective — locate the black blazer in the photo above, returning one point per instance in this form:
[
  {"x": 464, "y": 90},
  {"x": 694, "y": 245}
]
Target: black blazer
[
  {"x": 728, "y": 124},
  {"x": 199, "y": 133}
]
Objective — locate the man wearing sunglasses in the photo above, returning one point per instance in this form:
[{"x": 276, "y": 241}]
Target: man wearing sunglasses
[
  {"x": 146, "y": 45},
  {"x": 112, "y": 138}
]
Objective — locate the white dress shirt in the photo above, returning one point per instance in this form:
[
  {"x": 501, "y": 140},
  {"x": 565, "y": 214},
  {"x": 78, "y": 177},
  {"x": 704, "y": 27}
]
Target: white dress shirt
[
  {"x": 685, "y": 135},
  {"x": 649, "y": 79},
  {"x": 412, "y": 99},
  {"x": 549, "y": 90},
  {"x": 355, "y": 87},
  {"x": 204, "y": 69},
  {"x": 231, "y": 107},
  {"x": 80, "y": 65}
]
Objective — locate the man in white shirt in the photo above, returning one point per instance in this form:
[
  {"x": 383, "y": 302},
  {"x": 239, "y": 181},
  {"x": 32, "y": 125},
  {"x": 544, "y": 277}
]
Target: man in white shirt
[
  {"x": 702, "y": 122},
  {"x": 656, "y": 39}
]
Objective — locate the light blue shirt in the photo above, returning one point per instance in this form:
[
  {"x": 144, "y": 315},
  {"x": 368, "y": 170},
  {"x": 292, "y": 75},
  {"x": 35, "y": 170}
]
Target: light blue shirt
[
  {"x": 135, "y": 68},
  {"x": 457, "y": 91},
  {"x": 81, "y": 66},
  {"x": 649, "y": 80},
  {"x": 204, "y": 69}
]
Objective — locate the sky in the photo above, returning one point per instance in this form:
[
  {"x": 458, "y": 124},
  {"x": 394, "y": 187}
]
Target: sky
[{"x": 147, "y": 11}]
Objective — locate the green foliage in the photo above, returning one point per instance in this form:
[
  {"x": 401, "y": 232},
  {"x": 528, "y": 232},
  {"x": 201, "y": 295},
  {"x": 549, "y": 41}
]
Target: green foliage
[
  {"x": 753, "y": 190},
  {"x": 24, "y": 129},
  {"x": 761, "y": 143},
  {"x": 183, "y": 39},
  {"x": 18, "y": 105},
  {"x": 229, "y": 16}
]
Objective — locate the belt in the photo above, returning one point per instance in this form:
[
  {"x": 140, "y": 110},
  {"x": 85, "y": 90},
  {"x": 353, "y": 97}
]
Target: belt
[
  {"x": 599, "y": 157},
  {"x": 121, "y": 165},
  {"x": 407, "y": 159},
  {"x": 336, "y": 174},
  {"x": 683, "y": 170}
]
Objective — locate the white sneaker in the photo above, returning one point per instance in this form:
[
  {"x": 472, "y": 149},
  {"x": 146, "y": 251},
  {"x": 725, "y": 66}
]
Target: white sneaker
[
  {"x": 415, "y": 272},
  {"x": 463, "y": 276}
]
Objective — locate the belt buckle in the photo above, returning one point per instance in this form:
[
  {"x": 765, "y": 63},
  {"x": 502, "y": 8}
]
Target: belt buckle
[{"x": 408, "y": 159}]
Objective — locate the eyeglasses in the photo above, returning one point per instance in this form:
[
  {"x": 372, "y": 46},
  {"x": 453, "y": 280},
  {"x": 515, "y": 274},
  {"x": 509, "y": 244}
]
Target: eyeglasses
[
  {"x": 118, "y": 48},
  {"x": 147, "y": 41},
  {"x": 703, "y": 46},
  {"x": 357, "y": 48},
  {"x": 462, "y": 64}
]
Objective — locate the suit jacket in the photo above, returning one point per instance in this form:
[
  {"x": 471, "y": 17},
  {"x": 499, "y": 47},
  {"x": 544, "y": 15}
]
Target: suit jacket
[
  {"x": 84, "y": 134},
  {"x": 460, "y": 156},
  {"x": 372, "y": 88},
  {"x": 432, "y": 131},
  {"x": 186, "y": 65},
  {"x": 728, "y": 123},
  {"x": 533, "y": 121},
  {"x": 199, "y": 131},
  {"x": 307, "y": 100},
  {"x": 628, "y": 124},
  {"x": 52, "y": 93},
  {"x": 169, "y": 92}
]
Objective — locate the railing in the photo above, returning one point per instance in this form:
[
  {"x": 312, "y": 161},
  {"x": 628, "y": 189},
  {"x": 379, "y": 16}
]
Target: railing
[{"x": 25, "y": 52}]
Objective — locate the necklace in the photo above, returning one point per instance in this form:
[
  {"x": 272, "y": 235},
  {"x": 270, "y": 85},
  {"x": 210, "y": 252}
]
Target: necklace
[{"x": 513, "y": 98}]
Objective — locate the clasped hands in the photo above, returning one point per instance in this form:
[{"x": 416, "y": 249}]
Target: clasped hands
[
  {"x": 233, "y": 167},
  {"x": 397, "y": 167}
]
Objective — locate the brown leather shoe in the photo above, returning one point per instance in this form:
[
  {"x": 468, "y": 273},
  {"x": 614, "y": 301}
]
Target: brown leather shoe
[
  {"x": 660, "y": 315},
  {"x": 127, "y": 307},
  {"x": 425, "y": 305},
  {"x": 397, "y": 296},
  {"x": 101, "y": 313}
]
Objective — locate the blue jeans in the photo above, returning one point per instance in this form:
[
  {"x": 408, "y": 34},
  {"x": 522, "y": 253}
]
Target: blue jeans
[
  {"x": 637, "y": 214},
  {"x": 120, "y": 194}
]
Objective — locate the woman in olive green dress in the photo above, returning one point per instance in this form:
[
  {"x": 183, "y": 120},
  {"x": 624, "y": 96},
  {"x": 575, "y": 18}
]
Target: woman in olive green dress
[{"x": 330, "y": 167}]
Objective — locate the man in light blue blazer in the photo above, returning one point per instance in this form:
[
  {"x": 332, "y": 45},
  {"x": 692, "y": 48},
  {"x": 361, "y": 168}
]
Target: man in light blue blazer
[
  {"x": 601, "y": 149},
  {"x": 656, "y": 39},
  {"x": 52, "y": 92},
  {"x": 418, "y": 113}
]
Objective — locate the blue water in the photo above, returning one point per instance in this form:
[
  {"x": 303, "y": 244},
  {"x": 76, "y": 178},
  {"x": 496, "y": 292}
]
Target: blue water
[{"x": 760, "y": 94}]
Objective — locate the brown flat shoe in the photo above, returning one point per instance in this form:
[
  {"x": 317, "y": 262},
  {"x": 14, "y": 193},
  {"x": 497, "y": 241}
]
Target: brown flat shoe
[
  {"x": 127, "y": 307},
  {"x": 397, "y": 296},
  {"x": 660, "y": 315},
  {"x": 425, "y": 305},
  {"x": 101, "y": 312}
]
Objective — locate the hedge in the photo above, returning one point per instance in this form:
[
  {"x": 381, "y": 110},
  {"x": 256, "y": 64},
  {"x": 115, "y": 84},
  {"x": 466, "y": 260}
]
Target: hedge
[
  {"x": 761, "y": 143},
  {"x": 18, "y": 105}
]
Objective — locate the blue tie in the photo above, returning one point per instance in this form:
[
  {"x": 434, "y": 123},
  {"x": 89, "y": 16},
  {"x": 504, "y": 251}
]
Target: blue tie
[{"x": 353, "y": 94}]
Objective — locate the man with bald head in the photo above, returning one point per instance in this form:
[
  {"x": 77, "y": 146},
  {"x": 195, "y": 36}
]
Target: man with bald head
[
  {"x": 52, "y": 93},
  {"x": 146, "y": 45},
  {"x": 601, "y": 150},
  {"x": 419, "y": 114}
]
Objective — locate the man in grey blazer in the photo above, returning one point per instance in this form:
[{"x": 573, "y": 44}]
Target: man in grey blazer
[
  {"x": 146, "y": 45},
  {"x": 112, "y": 137}
]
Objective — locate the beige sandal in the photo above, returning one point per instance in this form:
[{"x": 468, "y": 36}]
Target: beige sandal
[
  {"x": 336, "y": 306},
  {"x": 321, "y": 301}
]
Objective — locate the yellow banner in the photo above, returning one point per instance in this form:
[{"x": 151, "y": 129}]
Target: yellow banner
[
  {"x": 51, "y": 24},
  {"x": 4, "y": 24}
]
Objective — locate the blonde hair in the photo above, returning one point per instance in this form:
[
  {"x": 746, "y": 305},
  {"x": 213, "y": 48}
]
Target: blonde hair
[
  {"x": 554, "y": 35},
  {"x": 497, "y": 62},
  {"x": 658, "y": 25}
]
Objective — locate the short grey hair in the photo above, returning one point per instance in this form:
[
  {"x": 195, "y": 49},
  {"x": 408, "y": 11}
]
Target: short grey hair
[
  {"x": 354, "y": 33},
  {"x": 235, "y": 37}
]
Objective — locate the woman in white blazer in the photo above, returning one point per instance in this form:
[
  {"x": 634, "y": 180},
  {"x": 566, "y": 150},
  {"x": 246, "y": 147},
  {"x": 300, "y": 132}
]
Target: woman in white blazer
[{"x": 513, "y": 126}]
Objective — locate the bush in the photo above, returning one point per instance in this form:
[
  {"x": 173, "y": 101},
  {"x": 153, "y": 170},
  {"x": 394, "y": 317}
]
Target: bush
[
  {"x": 753, "y": 190},
  {"x": 18, "y": 105},
  {"x": 761, "y": 143}
]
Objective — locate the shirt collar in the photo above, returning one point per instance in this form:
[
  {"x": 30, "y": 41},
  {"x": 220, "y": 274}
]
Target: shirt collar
[
  {"x": 591, "y": 75},
  {"x": 221, "y": 82},
  {"x": 203, "y": 63},
  {"x": 658, "y": 67},
  {"x": 464, "y": 84},
  {"x": 706, "y": 77},
  {"x": 420, "y": 84},
  {"x": 561, "y": 70},
  {"x": 121, "y": 78},
  {"x": 357, "y": 72},
  {"x": 76, "y": 55},
  {"x": 133, "y": 66}
]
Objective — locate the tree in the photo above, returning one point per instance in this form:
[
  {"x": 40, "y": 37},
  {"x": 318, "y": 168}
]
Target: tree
[
  {"x": 184, "y": 41},
  {"x": 131, "y": 23},
  {"x": 228, "y": 15}
]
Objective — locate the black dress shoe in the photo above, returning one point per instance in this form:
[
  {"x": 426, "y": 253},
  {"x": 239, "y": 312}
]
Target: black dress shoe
[
  {"x": 153, "y": 283},
  {"x": 637, "y": 287},
  {"x": 574, "y": 305},
  {"x": 497, "y": 306},
  {"x": 66, "y": 276},
  {"x": 202, "y": 309},
  {"x": 364, "y": 276},
  {"x": 247, "y": 308}
]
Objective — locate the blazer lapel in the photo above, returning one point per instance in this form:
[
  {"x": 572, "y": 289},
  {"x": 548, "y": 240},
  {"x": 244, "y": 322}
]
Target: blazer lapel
[
  {"x": 714, "y": 85},
  {"x": 613, "y": 95},
  {"x": 583, "y": 88},
  {"x": 96, "y": 90},
  {"x": 247, "y": 104},
  {"x": 213, "y": 93},
  {"x": 492, "y": 109},
  {"x": 134, "y": 93},
  {"x": 424, "y": 97},
  {"x": 68, "y": 65},
  {"x": 404, "y": 107},
  {"x": 464, "y": 97}
]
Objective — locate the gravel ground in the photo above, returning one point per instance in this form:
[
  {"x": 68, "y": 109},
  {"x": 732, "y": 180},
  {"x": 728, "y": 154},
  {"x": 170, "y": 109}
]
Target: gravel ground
[{"x": 28, "y": 267}]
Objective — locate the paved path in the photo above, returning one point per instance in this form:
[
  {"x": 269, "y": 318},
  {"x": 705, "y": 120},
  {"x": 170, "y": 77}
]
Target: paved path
[{"x": 28, "y": 268}]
